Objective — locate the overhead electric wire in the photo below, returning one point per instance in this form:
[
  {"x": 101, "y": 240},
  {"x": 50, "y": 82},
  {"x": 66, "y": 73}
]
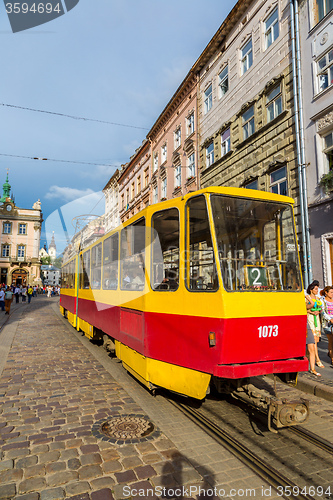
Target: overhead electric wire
[
  {"x": 71, "y": 116},
  {"x": 61, "y": 161}
]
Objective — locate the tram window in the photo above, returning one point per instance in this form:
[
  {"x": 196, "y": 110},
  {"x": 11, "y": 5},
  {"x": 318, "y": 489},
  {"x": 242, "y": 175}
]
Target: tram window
[
  {"x": 96, "y": 266},
  {"x": 257, "y": 245},
  {"x": 71, "y": 274},
  {"x": 85, "y": 270},
  {"x": 165, "y": 259},
  {"x": 110, "y": 262},
  {"x": 132, "y": 256},
  {"x": 64, "y": 277},
  {"x": 200, "y": 265}
]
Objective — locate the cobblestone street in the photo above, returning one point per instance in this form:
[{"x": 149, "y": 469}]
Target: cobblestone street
[
  {"x": 57, "y": 387},
  {"x": 52, "y": 392}
]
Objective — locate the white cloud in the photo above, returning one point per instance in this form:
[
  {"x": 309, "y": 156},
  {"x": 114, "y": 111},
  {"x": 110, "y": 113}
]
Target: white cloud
[{"x": 67, "y": 193}]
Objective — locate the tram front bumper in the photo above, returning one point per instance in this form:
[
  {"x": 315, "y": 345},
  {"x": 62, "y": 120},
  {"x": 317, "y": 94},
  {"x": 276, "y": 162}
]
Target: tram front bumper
[{"x": 261, "y": 368}]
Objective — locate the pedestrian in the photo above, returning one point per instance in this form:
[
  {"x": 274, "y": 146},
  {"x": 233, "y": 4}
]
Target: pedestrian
[
  {"x": 313, "y": 307},
  {"x": 30, "y": 292},
  {"x": 8, "y": 300},
  {"x": 327, "y": 318},
  {"x": 24, "y": 293},
  {"x": 17, "y": 294},
  {"x": 2, "y": 299}
]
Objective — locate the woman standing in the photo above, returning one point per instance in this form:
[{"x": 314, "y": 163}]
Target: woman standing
[
  {"x": 313, "y": 306},
  {"x": 327, "y": 320}
]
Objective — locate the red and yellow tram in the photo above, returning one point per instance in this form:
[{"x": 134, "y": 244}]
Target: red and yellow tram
[{"x": 201, "y": 287}]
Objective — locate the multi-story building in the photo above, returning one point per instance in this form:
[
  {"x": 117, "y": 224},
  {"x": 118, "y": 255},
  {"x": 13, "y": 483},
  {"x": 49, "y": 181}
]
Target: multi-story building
[
  {"x": 173, "y": 140},
  {"x": 134, "y": 182},
  {"x": 20, "y": 241},
  {"x": 246, "y": 103},
  {"x": 316, "y": 34},
  {"x": 50, "y": 275},
  {"x": 111, "y": 193}
]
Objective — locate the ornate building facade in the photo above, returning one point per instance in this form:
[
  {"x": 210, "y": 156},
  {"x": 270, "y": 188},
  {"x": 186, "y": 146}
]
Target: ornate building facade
[{"x": 20, "y": 241}]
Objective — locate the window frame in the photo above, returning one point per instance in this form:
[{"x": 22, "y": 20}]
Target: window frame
[
  {"x": 190, "y": 128},
  {"x": 246, "y": 57},
  {"x": 22, "y": 226},
  {"x": 21, "y": 249},
  {"x": 327, "y": 69},
  {"x": 4, "y": 227},
  {"x": 225, "y": 142},
  {"x": 3, "y": 247},
  {"x": 246, "y": 123},
  {"x": 178, "y": 176},
  {"x": 191, "y": 166},
  {"x": 222, "y": 79},
  {"x": 177, "y": 137},
  {"x": 208, "y": 98},
  {"x": 164, "y": 152},
  {"x": 210, "y": 157},
  {"x": 270, "y": 29},
  {"x": 164, "y": 186},
  {"x": 279, "y": 181},
  {"x": 273, "y": 101},
  {"x": 155, "y": 162}
]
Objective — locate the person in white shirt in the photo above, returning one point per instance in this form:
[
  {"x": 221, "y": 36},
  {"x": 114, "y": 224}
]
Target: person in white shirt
[{"x": 2, "y": 299}]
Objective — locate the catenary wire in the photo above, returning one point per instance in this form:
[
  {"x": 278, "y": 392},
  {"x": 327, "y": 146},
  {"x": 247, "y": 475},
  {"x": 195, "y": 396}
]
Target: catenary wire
[
  {"x": 71, "y": 116},
  {"x": 61, "y": 161}
]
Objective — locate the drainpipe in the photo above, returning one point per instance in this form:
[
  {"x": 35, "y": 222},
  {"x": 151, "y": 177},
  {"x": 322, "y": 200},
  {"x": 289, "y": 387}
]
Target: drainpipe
[
  {"x": 303, "y": 164},
  {"x": 298, "y": 142},
  {"x": 197, "y": 133}
]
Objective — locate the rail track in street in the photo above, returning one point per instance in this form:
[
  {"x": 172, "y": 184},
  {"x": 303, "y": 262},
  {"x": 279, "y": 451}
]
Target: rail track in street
[{"x": 285, "y": 486}]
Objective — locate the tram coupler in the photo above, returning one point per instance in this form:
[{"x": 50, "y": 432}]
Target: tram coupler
[{"x": 286, "y": 413}]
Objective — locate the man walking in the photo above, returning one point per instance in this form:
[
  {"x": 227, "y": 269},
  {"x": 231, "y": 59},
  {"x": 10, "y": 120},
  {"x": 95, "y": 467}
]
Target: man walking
[{"x": 8, "y": 300}]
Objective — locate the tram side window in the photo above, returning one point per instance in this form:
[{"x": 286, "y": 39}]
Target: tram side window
[
  {"x": 200, "y": 263},
  {"x": 71, "y": 274},
  {"x": 110, "y": 262},
  {"x": 64, "y": 277},
  {"x": 132, "y": 256},
  {"x": 165, "y": 261},
  {"x": 96, "y": 266},
  {"x": 85, "y": 270}
]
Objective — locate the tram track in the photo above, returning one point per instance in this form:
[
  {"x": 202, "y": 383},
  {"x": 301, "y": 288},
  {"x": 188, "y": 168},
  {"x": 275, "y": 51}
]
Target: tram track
[{"x": 264, "y": 470}]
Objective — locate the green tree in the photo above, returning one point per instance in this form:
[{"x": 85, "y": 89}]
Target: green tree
[{"x": 45, "y": 261}]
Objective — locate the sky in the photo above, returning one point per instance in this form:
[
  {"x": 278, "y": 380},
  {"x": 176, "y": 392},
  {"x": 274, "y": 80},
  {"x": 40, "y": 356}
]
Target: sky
[{"x": 113, "y": 61}]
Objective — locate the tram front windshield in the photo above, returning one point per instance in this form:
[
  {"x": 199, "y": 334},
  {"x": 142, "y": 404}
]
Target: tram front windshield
[{"x": 256, "y": 244}]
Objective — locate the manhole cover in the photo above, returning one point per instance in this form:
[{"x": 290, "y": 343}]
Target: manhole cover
[{"x": 126, "y": 429}]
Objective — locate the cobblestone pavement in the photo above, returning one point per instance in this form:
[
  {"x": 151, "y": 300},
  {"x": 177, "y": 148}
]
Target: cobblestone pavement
[
  {"x": 52, "y": 392},
  {"x": 56, "y": 385}
]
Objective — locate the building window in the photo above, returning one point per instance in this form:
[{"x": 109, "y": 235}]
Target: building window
[
  {"x": 248, "y": 122},
  {"x": 191, "y": 166},
  {"x": 5, "y": 251},
  {"x": 7, "y": 228},
  {"x": 223, "y": 82},
  {"x": 22, "y": 229},
  {"x": 164, "y": 152},
  {"x": 190, "y": 124},
  {"x": 133, "y": 191},
  {"x": 155, "y": 194},
  {"x": 272, "y": 28},
  {"x": 20, "y": 250},
  {"x": 146, "y": 177},
  {"x": 164, "y": 188},
  {"x": 208, "y": 101},
  {"x": 274, "y": 103},
  {"x": 155, "y": 162},
  {"x": 278, "y": 182},
  {"x": 122, "y": 201},
  {"x": 210, "y": 154},
  {"x": 247, "y": 57},
  {"x": 178, "y": 176},
  {"x": 252, "y": 185},
  {"x": 138, "y": 183},
  {"x": 322, "y": 7},
  {"x": 328, "y": 151},
  {"x": 325, "y": 71},
  {"x": 225, "y": 142},
  {"x": 127, "y": 197},
  {"x": 177, "y": 137}
]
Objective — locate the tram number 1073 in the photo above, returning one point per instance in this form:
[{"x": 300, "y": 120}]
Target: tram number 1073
[{"x": 268, "y": 331}]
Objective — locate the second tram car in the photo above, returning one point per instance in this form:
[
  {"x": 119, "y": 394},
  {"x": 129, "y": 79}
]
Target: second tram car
[{"x": 198, "y": 288}]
